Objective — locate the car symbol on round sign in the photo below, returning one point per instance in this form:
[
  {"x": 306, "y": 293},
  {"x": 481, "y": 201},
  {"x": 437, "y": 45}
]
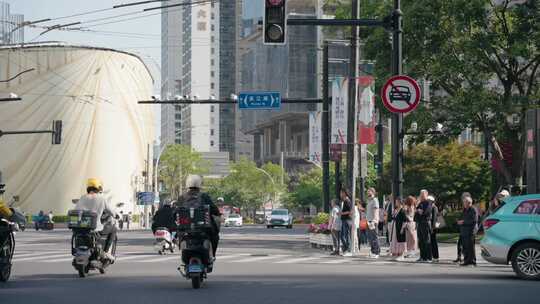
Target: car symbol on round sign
[{"x": 401, "y": 94}]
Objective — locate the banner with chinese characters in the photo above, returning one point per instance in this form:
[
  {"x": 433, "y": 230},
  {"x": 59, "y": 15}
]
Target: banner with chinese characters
[
  {"x": 366, "y": 110},
  {"x": 340, "y": 104},
  {"x": 315, "y": 140}
]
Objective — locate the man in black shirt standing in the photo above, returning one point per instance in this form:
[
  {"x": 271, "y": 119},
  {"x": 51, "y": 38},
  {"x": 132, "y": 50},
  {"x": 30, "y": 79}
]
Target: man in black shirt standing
[
  {"x": 423, "y": 220},
  {"x": 346, "y": 220}
]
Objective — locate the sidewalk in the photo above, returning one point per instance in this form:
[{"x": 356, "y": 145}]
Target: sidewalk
[{"x": 447, "y": 254}]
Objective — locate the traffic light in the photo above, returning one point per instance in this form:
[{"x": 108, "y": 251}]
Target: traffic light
[
  {"x": 275, "y": 21},
  {"x": 57, "y": 132},
  {"x": 377, "y": 164}
]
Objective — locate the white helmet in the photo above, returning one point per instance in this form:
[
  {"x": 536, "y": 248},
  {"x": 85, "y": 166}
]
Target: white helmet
[{"x": 194, "y": 181}]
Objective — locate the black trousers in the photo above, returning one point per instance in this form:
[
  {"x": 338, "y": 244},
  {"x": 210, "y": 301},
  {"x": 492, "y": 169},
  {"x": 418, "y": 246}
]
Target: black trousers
[
  {"x": 424, "y": 241},
  {"x": 469, "y": 254},
  {"x": 434, "y": 245},
  {"x": 459, "y": 248},
  {"x": 110, "y": 231}
]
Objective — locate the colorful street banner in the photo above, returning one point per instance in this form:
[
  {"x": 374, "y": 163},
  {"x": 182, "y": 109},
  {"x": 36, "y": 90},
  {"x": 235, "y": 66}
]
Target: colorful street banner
[
  {"x": 315, "y": 140},
  {"x": 340, "y": 103},
  {"x": 366, "y": 110}
]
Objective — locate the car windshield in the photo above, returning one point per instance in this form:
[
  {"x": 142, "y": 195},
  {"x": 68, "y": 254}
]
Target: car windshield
[
  {"x": 279, "y": 212},
  {"x": 234, "y": 216}
]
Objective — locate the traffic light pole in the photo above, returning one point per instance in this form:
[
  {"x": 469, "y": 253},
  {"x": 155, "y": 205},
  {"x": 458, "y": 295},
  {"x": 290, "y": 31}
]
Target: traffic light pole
[
  {"x": 350, "y": 180},
  {"x": 397, "y": 118},
  {"x": 325, "y": 132},
  {"x": 56, "y": 132}
]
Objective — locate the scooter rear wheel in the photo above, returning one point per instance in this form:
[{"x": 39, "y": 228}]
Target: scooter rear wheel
[
  {"x": 82, "y": 271},
  {"x": 196, "y": 281}
]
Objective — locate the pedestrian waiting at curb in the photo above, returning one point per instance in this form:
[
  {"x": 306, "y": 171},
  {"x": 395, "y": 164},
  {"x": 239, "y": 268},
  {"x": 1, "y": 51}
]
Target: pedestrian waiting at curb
[
  {"x": 372, "y": 216},
  {"x": 398, "y": 238},
  {"x": 434, "y": 226},
  {"x": 459, "y": 245},
  {"x": 410, "y": 228},
  {"x": 335, "y": 226},
  {"x": 423, "y": 220},
  {"x": 468, "y": 228},
  {"x": 121, "y": 221},
  {"x": 346, "y": 221}
]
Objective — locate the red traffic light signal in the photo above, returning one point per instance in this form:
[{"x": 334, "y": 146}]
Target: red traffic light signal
[{"x": 275, "y": 21}]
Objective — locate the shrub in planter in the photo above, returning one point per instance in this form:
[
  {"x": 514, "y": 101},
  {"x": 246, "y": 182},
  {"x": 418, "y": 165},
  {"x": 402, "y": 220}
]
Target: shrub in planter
[{"x": 321, "y": 218}]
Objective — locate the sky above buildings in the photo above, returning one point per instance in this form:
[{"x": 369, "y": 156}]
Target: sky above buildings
[{"x": 141, "y": 34}]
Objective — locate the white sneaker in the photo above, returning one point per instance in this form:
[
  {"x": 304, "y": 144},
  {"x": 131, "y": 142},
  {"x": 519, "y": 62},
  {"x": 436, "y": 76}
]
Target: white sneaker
[
  {"x": 373, "y": 256},
  {"x": 400, "y": 259},
  {"x": 347, "y": 254}
]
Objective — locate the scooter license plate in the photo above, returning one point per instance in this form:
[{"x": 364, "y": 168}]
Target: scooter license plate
[{"x": 195, "y": 268}]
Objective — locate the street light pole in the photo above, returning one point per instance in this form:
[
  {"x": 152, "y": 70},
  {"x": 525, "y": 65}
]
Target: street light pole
[{"x": 271, "y": 179}]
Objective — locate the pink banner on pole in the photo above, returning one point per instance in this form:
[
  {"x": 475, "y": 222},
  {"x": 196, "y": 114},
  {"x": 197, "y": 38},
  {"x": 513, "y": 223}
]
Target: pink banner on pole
[{"x": 366, "y": 110}]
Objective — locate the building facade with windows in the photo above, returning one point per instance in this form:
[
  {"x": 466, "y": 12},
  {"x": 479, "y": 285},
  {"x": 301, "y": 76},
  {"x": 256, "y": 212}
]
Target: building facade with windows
[
  {"x": 10, "y": 33},
  {"x": 292, "y": 69},
  {"x": 199, "y": 55}
]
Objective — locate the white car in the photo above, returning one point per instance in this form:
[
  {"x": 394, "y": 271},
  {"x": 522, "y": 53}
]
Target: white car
[{"x": 233, "y": 220}]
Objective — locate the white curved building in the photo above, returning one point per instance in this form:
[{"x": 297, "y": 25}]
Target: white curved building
[{"x": 94, "y": 91}]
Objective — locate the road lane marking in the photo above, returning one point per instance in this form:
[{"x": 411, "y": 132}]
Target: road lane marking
[
  {"x": 297, "y": 260},
  {"x": 337, "y": 261},
  {"x": 133, "y": 257},
  {"x": 38, "y": 258},
  {"x": 161, "y": 259},
  {"x": 260, "y": 258}
]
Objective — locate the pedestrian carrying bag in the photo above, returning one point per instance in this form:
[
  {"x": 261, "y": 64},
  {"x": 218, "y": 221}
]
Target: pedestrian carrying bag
[
  {"x": 363, "y": 224},
  {"x": 441, "y": 222}
]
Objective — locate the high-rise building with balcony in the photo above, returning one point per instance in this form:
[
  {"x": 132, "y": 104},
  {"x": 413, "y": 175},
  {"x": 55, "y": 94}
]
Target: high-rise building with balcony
[{"x": 10, "y": 30}]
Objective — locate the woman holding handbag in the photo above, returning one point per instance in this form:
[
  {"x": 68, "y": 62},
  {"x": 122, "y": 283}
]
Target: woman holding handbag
[{"x": 398, "y": 237}]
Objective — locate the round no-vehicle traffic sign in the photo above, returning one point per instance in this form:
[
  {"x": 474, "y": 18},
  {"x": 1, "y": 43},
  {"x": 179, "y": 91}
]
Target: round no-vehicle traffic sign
[{"x": 401, "y": 94}]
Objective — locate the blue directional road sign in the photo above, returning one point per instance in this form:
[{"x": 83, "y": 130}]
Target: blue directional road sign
[
  {"x": 259, "y": 101},
  {"x": 145, "y": 198}
]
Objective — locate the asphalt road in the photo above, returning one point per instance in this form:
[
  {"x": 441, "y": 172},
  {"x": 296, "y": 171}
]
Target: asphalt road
[{"x": 255, "y": 265}]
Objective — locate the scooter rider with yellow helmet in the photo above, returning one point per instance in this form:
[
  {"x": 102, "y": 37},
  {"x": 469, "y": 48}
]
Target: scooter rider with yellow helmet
[{"x": 96, "y": 202}]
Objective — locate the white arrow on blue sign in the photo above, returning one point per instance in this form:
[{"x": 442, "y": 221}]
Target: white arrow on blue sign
[{"x": 259, "y": 100}]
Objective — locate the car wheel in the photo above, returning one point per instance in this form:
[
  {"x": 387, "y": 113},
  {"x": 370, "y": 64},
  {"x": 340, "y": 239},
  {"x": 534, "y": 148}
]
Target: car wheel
[{"x": 526, "y": 261}]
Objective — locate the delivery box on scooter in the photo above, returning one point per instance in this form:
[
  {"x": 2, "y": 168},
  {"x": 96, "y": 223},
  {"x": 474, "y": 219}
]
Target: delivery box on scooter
[{"x": 82, "y": 219}]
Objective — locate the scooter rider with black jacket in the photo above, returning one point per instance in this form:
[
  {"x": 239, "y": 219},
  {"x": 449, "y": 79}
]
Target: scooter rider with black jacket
[{"x": 194, "y": 198}]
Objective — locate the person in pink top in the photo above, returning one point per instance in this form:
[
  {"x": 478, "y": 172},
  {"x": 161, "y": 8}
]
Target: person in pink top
[{"x": 410, "y": 230}]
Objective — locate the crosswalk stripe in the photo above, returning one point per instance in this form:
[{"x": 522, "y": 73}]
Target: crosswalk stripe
[
  {"x": 40, "y": 258},
  {"x": 297, "y": 260},
  {"x": 260, "y": 258},
  {"x": 337, "y": 261},
  {"x": 161, "y": 259},
  {"x": 24, "y": 255},
  {"x": 230, "y": 256},
  {"x": 134, "y": 257},
  {"x": 59, "y": 260}
]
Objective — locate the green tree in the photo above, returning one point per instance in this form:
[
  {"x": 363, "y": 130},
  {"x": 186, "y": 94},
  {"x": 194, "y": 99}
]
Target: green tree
[
  {"x": 176, "y": 163},
  {"x": 447, "y": 171},
  {"x": 483, "y": 60},
  {"x": 249, "y": 187},
  {"x": 308, "y": 191}
]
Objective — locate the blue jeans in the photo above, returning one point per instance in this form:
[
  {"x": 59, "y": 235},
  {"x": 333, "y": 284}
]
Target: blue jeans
[
  {"x": 374, "y": 241},
  {"x": 345, "y": 235}
]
